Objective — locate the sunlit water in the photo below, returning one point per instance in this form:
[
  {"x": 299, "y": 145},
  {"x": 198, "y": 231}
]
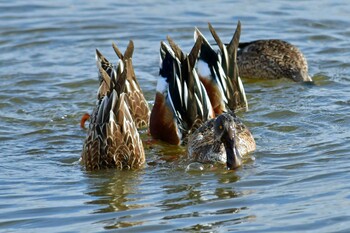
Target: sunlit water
[{"x": 299, "y": 180}]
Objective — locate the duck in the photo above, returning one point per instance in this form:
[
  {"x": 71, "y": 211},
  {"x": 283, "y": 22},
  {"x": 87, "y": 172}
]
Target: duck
[
  {"x": 183, "y": 113},
  {"x": 137, "y": 102},
  {"x": 113, "y": 140},
  {"x": 272, "y": 59},
  {"x": 224, "y": 139},
  {"x": 181, "y": 103},
  {"x": 216, "y": 71}
]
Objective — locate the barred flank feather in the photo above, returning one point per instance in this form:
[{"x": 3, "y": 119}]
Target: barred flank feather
[
  {"x": 113, "y": 140},
  {"x": 137, "y": 103}
]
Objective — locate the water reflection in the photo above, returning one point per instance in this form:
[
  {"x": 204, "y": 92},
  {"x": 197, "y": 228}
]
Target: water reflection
[
  {"x": 158, "y": 152},
  {"x": 207, "y": 205},
  {"x": 182, "y": 195},
  {"x": 201, "y": 197},
  {"x": 113, "y": 190},
  {"x": 48, "y": 76},
  {"x": 228, "y": 224}
]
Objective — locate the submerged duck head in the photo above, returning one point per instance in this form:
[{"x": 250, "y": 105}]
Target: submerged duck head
[
  {"x": 225, "y": 132},
  {"x": 301, "y": 75}
]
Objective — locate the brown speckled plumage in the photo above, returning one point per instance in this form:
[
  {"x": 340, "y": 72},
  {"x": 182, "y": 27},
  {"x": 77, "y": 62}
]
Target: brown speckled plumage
[
  {"x": 137, "y": 103},
  {"x": 204, "y": 146},
  {"x": 114, "y": 144},
  {"x": 113, "y": 140},
  {"x": 272, "y": 59}
]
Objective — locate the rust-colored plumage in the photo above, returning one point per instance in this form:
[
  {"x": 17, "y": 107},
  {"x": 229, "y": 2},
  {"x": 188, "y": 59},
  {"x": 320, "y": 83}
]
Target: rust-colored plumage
[
  {"x": 219, "y": 73},
  {"x": 181, "y": 101}
]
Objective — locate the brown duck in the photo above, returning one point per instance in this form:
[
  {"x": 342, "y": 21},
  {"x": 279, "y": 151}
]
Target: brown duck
[
  {"x": 113, "y": 140},
  {"x": 137, "y": 103},
  {"x": 272, "y": 59}
]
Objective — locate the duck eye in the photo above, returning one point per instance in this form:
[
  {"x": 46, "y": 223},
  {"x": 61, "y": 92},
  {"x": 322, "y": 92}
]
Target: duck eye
[{"x": 220, "y": 126}]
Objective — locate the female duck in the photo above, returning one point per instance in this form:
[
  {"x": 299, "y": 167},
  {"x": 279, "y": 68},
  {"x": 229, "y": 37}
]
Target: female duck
[
  {"x": 113, "y": 140},
  {"x": 272, "y": 59},
  {"x": 137, "y": 103},
  {"x": 224, "y": 140}
]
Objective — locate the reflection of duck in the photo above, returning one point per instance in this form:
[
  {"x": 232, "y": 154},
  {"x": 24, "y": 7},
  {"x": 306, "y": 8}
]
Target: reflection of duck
[
  {"x": 113, "y": 139},
  {"x": 272, "y": 59},
  {"x": 114, "y": 191}
]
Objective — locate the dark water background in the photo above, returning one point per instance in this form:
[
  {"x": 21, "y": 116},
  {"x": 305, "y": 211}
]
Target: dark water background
[{"x": 299, "y": 180}]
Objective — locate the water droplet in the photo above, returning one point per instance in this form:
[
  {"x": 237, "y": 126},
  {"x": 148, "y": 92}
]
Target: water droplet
[{"x": 195, "y": 166}]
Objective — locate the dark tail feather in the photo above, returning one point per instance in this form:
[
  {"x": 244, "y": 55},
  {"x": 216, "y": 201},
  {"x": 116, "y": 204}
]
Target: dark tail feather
[
  {"x": 103, "y": 62},
  {"x": 193, "y": 55},
  {"x": 216, "y": 37},
  {"x": 117, "y": 51},
  {"x": 129, "y": 50},
  {"x": 177, "y": 50},
  {"x": 233, "y": 45}
]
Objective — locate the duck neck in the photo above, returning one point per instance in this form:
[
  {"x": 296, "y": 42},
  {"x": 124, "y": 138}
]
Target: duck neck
[{"x": 233, "y": 158}]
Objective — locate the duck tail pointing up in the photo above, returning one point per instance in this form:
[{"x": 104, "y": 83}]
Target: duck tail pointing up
[
  {"x": 235, "y": 90},
  {"x": 179, "y": 91}
]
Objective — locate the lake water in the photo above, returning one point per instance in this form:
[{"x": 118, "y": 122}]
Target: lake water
[{"x": 299, "y": 180}]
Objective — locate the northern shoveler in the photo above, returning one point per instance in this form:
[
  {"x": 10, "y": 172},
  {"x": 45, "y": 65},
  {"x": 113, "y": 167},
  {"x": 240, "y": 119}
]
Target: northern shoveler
[
  {"x": 272, "y": 59},
  {"x": 113, "y": 139},
  {"x": 224, "y": 139},
  {"x": 183, "y": 111},
  {"x": 181, "y": 101},
  {"x": 219, "y": 73},
  {"x": 137, "y": 103}
]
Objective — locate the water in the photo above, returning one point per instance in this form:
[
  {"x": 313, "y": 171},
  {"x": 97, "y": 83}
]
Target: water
[{"x": 299, "y": 180}]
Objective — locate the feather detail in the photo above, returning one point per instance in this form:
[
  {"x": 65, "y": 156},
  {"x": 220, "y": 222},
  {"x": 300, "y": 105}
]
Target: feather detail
[
  {"x": 181, "y": 97},
  {"x": 113, "y": 140}
]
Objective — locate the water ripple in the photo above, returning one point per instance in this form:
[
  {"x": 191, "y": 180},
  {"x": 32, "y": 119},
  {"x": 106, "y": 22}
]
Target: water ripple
[{"x": 298, "y": 181}]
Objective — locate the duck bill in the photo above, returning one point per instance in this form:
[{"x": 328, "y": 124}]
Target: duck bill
[
  {"x": 308, "y": 79},
  {"x": 234, "y": 159}
]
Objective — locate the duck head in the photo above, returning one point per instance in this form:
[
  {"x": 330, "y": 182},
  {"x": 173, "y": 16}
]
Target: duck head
[
  {"x": 300, "y": 74},
  {"x": 225, "y": 132}
]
